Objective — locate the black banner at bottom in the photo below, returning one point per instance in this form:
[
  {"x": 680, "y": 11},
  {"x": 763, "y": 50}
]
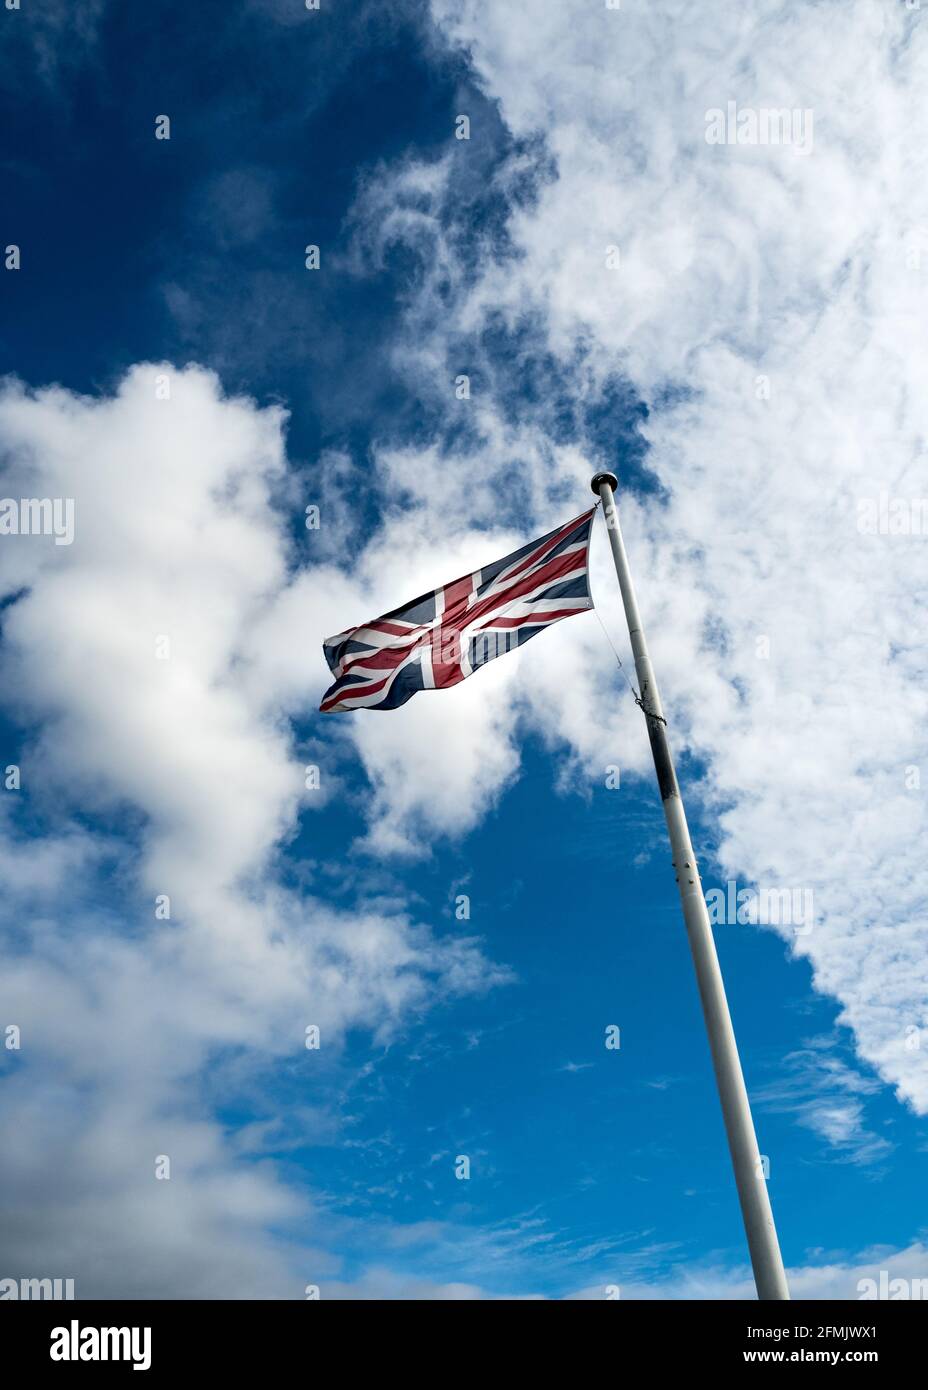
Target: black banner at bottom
[{"x": 154, "y": 1338}]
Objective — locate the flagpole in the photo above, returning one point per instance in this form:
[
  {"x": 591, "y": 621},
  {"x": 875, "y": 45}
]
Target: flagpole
[{"x": 767, "y": 1263}]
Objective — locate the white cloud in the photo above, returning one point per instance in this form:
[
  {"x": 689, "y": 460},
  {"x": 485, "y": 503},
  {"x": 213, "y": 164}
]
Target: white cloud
[
  {"x": 839, "y": 1277},
  {"x": 742, "y": 268},
  {"x": 185, "y": 764}
]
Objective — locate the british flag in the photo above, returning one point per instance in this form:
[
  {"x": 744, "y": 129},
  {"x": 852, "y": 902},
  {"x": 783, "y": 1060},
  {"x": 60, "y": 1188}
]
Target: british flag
[{"x": 445, "y": 636}]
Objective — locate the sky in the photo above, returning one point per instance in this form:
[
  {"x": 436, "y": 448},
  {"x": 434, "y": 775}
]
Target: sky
[{"x": 462, "y": 896}]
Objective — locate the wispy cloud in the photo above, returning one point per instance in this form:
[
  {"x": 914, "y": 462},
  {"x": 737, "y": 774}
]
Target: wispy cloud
[{"x": 827, "y": 1095}]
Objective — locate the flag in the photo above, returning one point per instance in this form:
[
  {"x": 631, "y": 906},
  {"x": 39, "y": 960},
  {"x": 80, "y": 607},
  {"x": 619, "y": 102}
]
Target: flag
[{"x": 445, "y": 636}]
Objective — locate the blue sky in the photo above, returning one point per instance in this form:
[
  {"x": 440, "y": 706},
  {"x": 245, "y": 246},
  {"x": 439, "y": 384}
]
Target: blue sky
[{"x": 444, "y": 1037}]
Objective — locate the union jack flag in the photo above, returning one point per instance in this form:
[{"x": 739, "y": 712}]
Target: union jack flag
[{"x": 445, "y": 636}]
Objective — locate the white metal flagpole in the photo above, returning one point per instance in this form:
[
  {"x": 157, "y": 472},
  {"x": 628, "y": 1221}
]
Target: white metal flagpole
[{"x": 769, "y": 1275}]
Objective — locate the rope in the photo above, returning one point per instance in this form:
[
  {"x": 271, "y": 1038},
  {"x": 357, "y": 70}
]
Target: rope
[{"x": 648, "y": 713}]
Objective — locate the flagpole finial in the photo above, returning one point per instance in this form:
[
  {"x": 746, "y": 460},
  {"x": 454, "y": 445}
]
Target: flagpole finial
[{"x": 600, "y": 478}]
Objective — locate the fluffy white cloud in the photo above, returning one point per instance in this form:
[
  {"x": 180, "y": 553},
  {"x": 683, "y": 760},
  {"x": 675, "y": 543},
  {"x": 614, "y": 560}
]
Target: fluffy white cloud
[{"x": 147, "y": 657}]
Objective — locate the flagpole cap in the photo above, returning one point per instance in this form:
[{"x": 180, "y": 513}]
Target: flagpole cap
[{"x": 601, "y": 478}]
